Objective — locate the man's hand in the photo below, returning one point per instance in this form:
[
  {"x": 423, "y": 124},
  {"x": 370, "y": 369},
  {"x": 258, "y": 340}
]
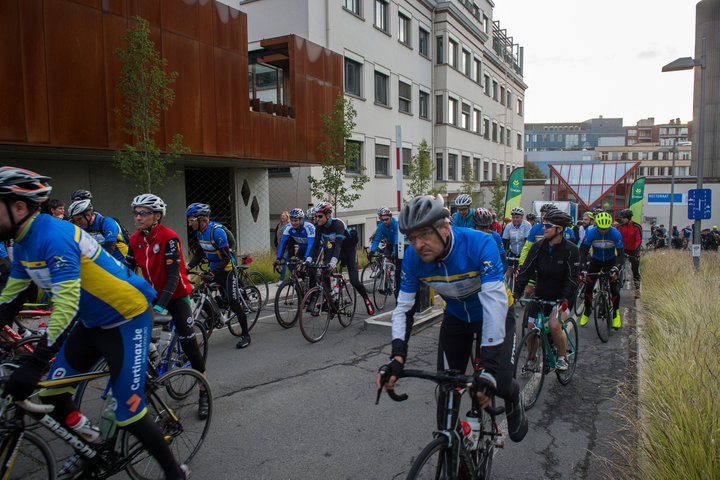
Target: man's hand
[
  {"x": 276, "y": 266},
  {"x": 370, "y": 255},
  {"x": 392, "y": 372},
  {"x": 23, "y": 380},
  {"x": 484, "y": 385},
  {"x": 207, "y": 277},
  {"x": 562, "y": 305}
]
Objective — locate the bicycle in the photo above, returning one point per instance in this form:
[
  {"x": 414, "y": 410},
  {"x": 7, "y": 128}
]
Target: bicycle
[
  {"x": 253, "y": 278},
  {"x": 458, "y": 450},
  {"x": 384, "y": 282},
  {"x": 537, "y": 355},
  {"x": 25, "y": 454},
  {"x": 333, "y": 295},
  {"x": 372, "y": 268},
  {"x": 213, "y": 310},
  {"x": 288, "y": 296},
  {"x": 514, "y": 266},
  {"x": 602, "y": 306},
  {"x": 165, "y": 350}
]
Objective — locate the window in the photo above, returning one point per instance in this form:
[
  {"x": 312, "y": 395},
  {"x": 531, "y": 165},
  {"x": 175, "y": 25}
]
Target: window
[
  {"x": 495, "y": 90},
  {"x": 452, "y": 166},
  {"x": 486, "y": 130},
  {"x": 508, "y": 137},
  {"x": 352, "y": 5},
  {"x": 486, "y": 170},
  {"x": 279, "y": 172},
  {"x": 381, "y": 15},
  {"x": 452, "y": 53},
  {"x": 486, "y": 22},
  {"x": 423, "y": 40},
  {"x": 502, "y": 95},
  {"x": 466, "y": 63},
  {"x": 439, "y": 166},
  {"x": 406, "y": 156},
  {"x": 382, "y": 158},
  {"x": 423, "y": 105},
  {"x": 519, "y": 107},
  {"x": 663, "y": 131},
  {"x": 355, "y": 163},
  {"x": 465, "y": 116},
  {"x": 632, "y": 133},
  {"x": 487, "y": 84},
  {"x": 476, "y": 169},
  {"x": 266, "y": 88},
  {"x": 403, "y": 29},
  {"x": 509, "y": 99},
  {"x": 519, "y": 141},
  {"x": 478, "y": 70},
  {"x": 502, "y": 134},
  {"x": 671, "y": 131},
  {"x": 404, "y": 96},
  {"x": 476, "y": 121},
  {"x": 465, "y": 168},
  {"x": 494, "y": 132},
  {"x": 353, "y": 74},
  {"x": 438, "y": 109},
  {"x": 439, "y": 50},
  {"x": 452, "y": 111},
  {"x": 381, "y": 88}
]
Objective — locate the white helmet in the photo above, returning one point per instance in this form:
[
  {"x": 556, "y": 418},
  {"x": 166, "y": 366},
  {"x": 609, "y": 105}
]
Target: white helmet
[
  {"x": 79, "y": 206},
  {"x": 463, "y": 200},
  {"x": 149, "y": 201},
  {"x": 517, "y": 211}
]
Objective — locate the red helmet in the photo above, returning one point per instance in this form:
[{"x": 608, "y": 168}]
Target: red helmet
[{"x": 323, "y": 207}]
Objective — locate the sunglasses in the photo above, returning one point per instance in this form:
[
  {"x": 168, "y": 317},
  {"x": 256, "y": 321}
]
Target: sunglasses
[
  {"x": 319, "y": 215},
  {"x": 142, "y": 213},
  {"x": 550, "y": 225}
]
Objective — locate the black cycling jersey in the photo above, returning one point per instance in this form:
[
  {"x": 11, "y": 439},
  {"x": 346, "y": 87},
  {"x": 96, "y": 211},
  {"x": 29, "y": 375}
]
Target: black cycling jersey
[
  {"x": 557, "y": 269},
  {"x": 334, "y": 238}
]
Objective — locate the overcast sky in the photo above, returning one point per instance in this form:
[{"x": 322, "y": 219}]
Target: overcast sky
[{"x": 586, "y": 58}]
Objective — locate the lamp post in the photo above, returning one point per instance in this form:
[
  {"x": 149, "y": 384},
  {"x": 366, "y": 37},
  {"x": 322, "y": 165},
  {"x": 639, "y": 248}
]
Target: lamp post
[
  {"x": 689, "y": 63},
  {"x": 674, "y": 152}
]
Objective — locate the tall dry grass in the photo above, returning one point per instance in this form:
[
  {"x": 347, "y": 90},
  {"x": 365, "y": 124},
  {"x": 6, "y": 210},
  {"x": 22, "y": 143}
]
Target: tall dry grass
[{"x": 676, "y": 432}]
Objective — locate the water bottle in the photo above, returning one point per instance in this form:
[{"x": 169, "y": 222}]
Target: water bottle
[
  {"x": 82, "y": 426},
  {"x": 153, "y": 353},
  {"x": 108, "y": 425},
  {"x": 335, "y": 292},
  {"x": 471, "y": 430},
  {"x": 42, "y": 329},
  {"x": 164, "y": 341}
]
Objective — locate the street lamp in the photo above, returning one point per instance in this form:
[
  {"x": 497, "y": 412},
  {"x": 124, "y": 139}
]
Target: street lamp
[
  {"x": 688, "y": 63},
  {"x": 674, "y": 151}
]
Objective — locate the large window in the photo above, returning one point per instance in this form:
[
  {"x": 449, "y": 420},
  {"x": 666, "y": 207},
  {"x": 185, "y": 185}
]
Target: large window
[
  {"x": 352, "y": 5},
  {"x": 406, "y": 156},
  {"x": 353, "y": 75},
  {"x": 403, "y": 29},
  {"x": 404, "y": 97},
  {"x": 439, "y": 166},
  {"x": 452, "y": 166},
  {"x": 423, "y": 105},
  {"x": 267, "y": 88},
  {"x": 438, "y": 109},
  {"x": 465, "y": 117},
  {"x": 452, "y": 111},
  {"x": 382, "y": 158},
  {"x": 466, "y": 65},
  {"x": 476, "y": 120},
  {"x": 381, "y": 15},
  {"x": 423, "y": 42},
  {"x": 355, "y": 163},
  {"x": 381, "y": 88},
  {"x": 452, "y": 53}
]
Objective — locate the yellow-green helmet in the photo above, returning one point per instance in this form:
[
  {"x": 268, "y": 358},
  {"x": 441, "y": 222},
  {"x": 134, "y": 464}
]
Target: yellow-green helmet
[{"x": 603, "y": 220}]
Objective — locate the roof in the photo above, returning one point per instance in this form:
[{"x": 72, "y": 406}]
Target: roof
[{"x": 590, "y": 181}]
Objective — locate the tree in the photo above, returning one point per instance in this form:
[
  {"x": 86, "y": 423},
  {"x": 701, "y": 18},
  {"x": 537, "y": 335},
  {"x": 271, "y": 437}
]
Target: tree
[
  {"x": 420, "y": 170},
  {"x": 339, "y": 157},
  {"x": 497, "y": 203},
  {"x": 532, "y": 170},
  {"x": 471, "y": 186},
  {"x": 145, "y": 87}
]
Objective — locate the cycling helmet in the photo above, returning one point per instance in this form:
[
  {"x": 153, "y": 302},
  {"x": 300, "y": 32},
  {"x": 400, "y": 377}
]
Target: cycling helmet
[
  {"x": 590, "y": 215},
  {"x": 627, "y": 213},
  {"x": 482, "y": 218},
  {"x": 559, "y": 218},
  {"x": 79, "y": 206},
  {"x": 517, "y": 211},
  {"x": 297, "y": 213},
  {"x": 421, "y": 212},
  {"x": 380, "y": 210},
  {"x": 463, "y": 200},
  {"x": 531, "y": 217},
  {"x": 20, "y": 183},
  {"x": 149, "y": 201},
  {"x": 81, "y": 195},
  {"x": 310, "y": 214},
  {"x": 198, "y": 210},
  {"x": 547, "y": 207},
  {"x": 384, "y": 212},
  {"x": 603, "y": 220},
  {"x": 323, "y": 207}
]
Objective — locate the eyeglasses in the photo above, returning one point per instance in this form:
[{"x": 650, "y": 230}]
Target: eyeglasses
[
  {"x": 142, "y": 213},
  {"x": 549, "y": 225},
  {"x": 386, "y": 219},
  {"x": 413, "y": 238},
  {"x": 319, "y": 215}
]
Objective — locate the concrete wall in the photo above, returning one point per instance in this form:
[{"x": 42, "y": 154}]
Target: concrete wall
[{"x": 252, "y": 234}]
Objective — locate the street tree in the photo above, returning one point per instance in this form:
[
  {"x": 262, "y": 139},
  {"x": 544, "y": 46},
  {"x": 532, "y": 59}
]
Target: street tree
[
  {"x": 532, "y": 170},
  {"x": 471, "y": 186},
  {"x": 420, "y": 170},
  {"x": 145, "y": 86},
  {"x": 340, "y": 159},
  {"x": 497, "y": 201}
]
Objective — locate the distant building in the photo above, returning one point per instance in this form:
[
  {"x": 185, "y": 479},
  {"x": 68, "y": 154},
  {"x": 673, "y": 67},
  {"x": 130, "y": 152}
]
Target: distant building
[
  {"x": 574, "y": 136},
  {"x": 544, "y": 158},
  {"x": 655, "y": 159},
  {"x": 665, "y": 134}
]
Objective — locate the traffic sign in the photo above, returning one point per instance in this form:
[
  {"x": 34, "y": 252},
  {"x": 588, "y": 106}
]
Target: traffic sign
[{"x": 699, "y": 203}]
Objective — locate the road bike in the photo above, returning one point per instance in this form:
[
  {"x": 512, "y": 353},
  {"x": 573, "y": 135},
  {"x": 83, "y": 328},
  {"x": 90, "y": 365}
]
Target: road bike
[
  {"x": 458, "y": 450},
  {"x": 602, "y": 306},
  {"x": 166, "y": 351},
  {"x": 332, "y": 296},
  {"x": 383, "y": 282},
  {"x": 537, "y": 355},
  {"x": 289, "y": 294},
  {"x": 247, "y": 277},
  {"x": 372, "y": 268},
  {"x": 514, "y": 267}
]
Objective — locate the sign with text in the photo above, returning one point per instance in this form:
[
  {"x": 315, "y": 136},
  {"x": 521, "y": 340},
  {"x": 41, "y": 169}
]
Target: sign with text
[
  {"x": 664, "y": 199},
  {"x": 699, "y": 203}
]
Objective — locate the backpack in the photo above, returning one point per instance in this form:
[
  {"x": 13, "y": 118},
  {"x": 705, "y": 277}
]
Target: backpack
[
  {"x": 231, "y": 238},
  {"x": 123, "y": 231}
]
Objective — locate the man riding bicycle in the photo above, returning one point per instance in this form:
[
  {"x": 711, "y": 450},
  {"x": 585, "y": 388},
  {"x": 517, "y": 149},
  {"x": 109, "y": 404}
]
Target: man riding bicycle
[
  {"x": 299, "y": 233},
  {"x": 514, "y": 236},
  {"x": 100, "y": 311},
  {"x": 463, "y": 266},
  {"x": 482, "y": 221},
  {"x": 105, "y": 230},
  {"x": 632, "y": 240},
  {"x": 463, "y": 216},
  {"x": 388, "y": 230}
]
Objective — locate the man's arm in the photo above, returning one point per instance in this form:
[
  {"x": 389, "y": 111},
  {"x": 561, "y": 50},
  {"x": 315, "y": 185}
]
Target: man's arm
[
  {"x": 172, "y": 267},
  {"x": 573, "y": 266}
]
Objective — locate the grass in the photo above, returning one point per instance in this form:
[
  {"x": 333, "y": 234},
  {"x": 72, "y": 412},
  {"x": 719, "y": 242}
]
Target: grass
[{"x": 677, "y": 427}]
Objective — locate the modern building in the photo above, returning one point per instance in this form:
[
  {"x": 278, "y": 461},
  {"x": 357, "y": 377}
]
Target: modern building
[
  {"x": 444, "y": 72},
  {"x": 667, "y": 134},
  {"x": 655, "y": 159},
  {"x": 574, "y": 135}
]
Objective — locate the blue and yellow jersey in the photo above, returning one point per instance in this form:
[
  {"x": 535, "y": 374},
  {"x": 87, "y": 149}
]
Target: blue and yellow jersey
[
  {"x": 62, "y": 258},
  {"x": 106, "y": 229},
  {"x": 466, "y": 221},
  {"x": 211, "y": 240},
  {"x": 536, "y": 233},
  {"x": 604, "y": 247}
]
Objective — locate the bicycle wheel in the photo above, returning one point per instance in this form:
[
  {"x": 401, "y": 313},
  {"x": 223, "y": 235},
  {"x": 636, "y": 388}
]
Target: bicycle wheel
[
  {"x": 257, "y": 280},
  {"x": 433, "y": 462},
  {"x": 178, "y": 358},
  {"x": 286, "y": 304},
  {"x": 530, "y": 367},
  {"x": 314, "y": 317},
  {"x": 380, "y": 289},
  {"x": 371, "y": 269},
  {"x": 347, "y": 302},
  {"x": 176, "y": 418},
  {"x": 204, "y": 313},
  {"x": 580, "y": 299},
  {"x": 25, "y": 458},
  {"x": 251, "y": 303},
  {"x": 485, "y": 459},
  {"x": 602, "y": 317},
  {"x": 571, "y": 341}
]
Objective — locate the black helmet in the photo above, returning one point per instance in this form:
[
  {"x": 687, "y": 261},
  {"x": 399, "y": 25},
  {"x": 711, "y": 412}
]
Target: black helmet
[
  {"x": 81, "y": 195},
  {"x": 627, "y": 213},
  {"x": 482, "y": 218},
  {"x": 422, "y": 212},
  {"x": 559, "y": 218},
  {"x": 531, "y": 216},
  {"x": 547, "y": 207}
]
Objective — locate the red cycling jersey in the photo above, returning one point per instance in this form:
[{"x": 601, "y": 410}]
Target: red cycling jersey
[{"x": 631, "y": 235}]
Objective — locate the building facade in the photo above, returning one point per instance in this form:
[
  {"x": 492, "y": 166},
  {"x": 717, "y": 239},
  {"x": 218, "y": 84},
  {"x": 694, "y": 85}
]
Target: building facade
[
  {"x": 667, "y": 134},
  {"x": 574, "y": 135}
]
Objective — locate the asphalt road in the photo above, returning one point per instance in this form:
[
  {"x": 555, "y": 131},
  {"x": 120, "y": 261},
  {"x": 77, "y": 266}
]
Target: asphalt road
[{"x": 288, "y": 409}]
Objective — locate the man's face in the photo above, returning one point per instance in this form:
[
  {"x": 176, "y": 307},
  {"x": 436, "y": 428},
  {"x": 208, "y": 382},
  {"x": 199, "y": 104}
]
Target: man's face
[
  {"x": 193, "y": 223},
  {"x": 386, "y": 220},
  {"x": 296, "y": 222},
  {"x": 58, "y": 212},
  {"x": 516, "y": 219},
  {"x": 144, "y": 218},
  {"x": 624, "y": 221},
  {"x": 82, "y": 220},
  {"x": 464, "y": 211},
  {"x": 586, "y": 221},
  {"x": 322, "y": 219},
  {"x": 427, "y": 244},
  {"x": 550, "y": 230}
]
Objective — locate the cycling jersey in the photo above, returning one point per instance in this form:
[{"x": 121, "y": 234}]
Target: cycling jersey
[
  {"x": 536, "y": 233},
  {"x": 501, "y": 249},
  {"x": 302, "y": 236},
  {"x": 556, "y": 267},
  {"x": 631, "y": 235},
  {"x": 333, "y": 238},
  {"x": 517, "y": 236},
  {"x": 569, "y": 234},
  {"x": 3, "y": 251},
  {"x": 604, "y": 246},
  {"x": 106, "y": 230},
  {"x": 389, "y": 233},
  {"x": 212, "y": 240},
  {"x": 466, "y": 221}
]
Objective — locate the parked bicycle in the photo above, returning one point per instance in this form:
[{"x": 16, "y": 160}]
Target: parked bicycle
[
  {"x": 289, "y": 294},
  {"x": 461, "y": 448},
  {"x": 332, "y": 296},
  {"x": 537, "y": 355}
]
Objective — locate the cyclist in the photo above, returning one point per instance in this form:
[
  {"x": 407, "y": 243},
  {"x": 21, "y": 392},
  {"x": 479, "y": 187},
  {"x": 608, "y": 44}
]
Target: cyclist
[
  {"x": 587, "y": 222},
  {"x": 531, "y": 218},
  {"x": 482, "y": 220},
  {"x": 632, "y": 240},
  {"x": 514, "y": 236},
  {"x": 299, "y": 233},
  {"x": 462, "y": 265},
  {"x": 101, "y": 310},
  {"x": 337, "y": 245},
  {"x": 687, "y": 235},
  {"x": 387, "y": 229},
  {"x": 105, "y": 230},
  {"x": 555, "y": 262},
  {"x": 214, "y": 246},
  {"x": 464, "y": 215},
  {"x": 156, "y": 250},
  {"x": 536, "y": 233},
  {"x": 607, "y": 253}
]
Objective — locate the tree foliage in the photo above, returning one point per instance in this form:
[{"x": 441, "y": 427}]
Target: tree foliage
[
  {"x": 497, "y": 202},
  {"x": 471, "y": 186},
  {"x": 145, "y": 87},
  {"x": 532, "y": 170},
  {"x": 339, "y": 157},
  {"x": 420, "y": 169}
]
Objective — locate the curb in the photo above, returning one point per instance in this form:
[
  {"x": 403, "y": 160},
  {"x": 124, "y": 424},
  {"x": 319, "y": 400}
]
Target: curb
[{"x": 421, "y": 319}]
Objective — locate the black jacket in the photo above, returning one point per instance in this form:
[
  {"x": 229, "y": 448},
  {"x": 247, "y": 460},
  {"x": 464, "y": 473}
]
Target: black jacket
[{"x": 557, "y": 271}]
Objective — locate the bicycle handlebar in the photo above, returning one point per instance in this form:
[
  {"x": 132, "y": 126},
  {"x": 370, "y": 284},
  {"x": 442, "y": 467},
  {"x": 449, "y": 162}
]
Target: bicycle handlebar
[{"x": 540, "y": 301}]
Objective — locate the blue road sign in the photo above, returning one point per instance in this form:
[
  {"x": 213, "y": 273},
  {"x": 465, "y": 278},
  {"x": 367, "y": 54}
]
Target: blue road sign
[{"x": 699, "y": 203}]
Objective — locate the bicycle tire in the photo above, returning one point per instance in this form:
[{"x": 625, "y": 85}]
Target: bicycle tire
[
  {"x": 32, "y": 459},
  {"x": 252, "y": 305},
  {"x": 371, "y": 268},
  {"x": 185, "y": 436},
  {"x": 287, "y": 304},
  {"x": 380, "y": 283},
  {"x": 204, "y": 313},
  {"x": 347, "y": 303},
  {"x": 313, "y": 321},
  {"x": 433, "y": 462},
  {"x": 178, "y": 359},
  {"x": 570, "y": 329},
  {"x": 485, "y": 459},
  {"x": 580, "y": 299},
  {"x": 257, "y": 280},
  {"x": 600, "y": 316},
  {"x": 530, "y": 376}
]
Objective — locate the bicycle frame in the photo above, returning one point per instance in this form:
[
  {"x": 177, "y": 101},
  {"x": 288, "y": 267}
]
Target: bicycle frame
[{"x": 540, "y": 328}]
